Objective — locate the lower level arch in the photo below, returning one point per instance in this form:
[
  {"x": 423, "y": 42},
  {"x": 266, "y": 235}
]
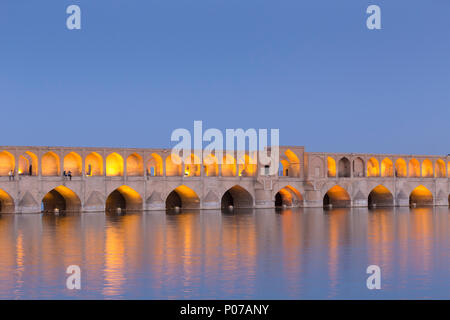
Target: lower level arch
[
  {"x": 62, "y": 199},
  {"x": 337, "y": 197},
  {"x": 123, "y": 198},
  {"x": 237, "y": 197},
  {"x": 182, "y": 197},
  {"x": 6, "y": 202}
]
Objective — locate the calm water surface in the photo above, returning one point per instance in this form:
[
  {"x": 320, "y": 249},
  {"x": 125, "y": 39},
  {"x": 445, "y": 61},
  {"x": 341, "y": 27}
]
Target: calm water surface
[{"x": 258, "y": 254}]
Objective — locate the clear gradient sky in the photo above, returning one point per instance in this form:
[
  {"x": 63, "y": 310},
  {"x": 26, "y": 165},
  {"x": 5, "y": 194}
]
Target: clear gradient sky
[{"x": 140, "y": 68}]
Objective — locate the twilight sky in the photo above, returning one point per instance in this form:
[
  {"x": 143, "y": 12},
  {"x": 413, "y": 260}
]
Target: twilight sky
[{"x": 139, "y": 69}]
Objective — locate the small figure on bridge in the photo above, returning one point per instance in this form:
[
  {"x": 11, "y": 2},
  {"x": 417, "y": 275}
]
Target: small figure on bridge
[
  {"x": 30, "y": 171},
  {"x": 70, "y": 175}
]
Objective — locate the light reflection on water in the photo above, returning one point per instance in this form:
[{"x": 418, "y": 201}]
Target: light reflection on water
[{"x": 254, "y": 254}]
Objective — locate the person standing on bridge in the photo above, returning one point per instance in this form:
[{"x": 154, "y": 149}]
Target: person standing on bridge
[
  {"x": 30, "y": 170},
  {"x": 11, "y": 175},
  {"x": 70, "y": 175}
]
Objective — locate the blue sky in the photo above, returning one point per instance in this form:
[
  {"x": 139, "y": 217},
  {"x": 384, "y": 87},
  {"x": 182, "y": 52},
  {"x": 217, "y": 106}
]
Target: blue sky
[{"x": 139, "y": 69}]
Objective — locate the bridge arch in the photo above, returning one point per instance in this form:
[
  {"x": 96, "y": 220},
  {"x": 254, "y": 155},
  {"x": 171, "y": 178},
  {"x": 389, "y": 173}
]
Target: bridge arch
[
  {"x": 288, "y": 196},
  {"x": 61, "y": 198},
  {"x": 427, "y": 169},
  {"x": 337, "y": 197},
  {"x": 380, "y": 196},
  {"x": 247, "y": 166},
  {"x": 94, "y": 164},
  {"x": 211, "y": 164},
  {"x": 50, "y": 164},
  {"x": 439, "y": 171},
  {"x": 414, "y": 168},
  {"x": 182, "y": 197},
  {"x": 331, "y": 167},
  {"x": 421, "y": 196},
  {"x": 401, "y": 170},
  {"x": 293, "y": 164},
  {"x": 6, "y": 202},
  {"x": 155, "y": 166},
  {"x": 387, "y": 168},
  {"x": 73, "y": 163},
  {"x": 358, "y": 167},
  {"x": 28, "y": 164},
  {"x": 344, "y": 168},
  {"x": 373, "y": 168},
  {"x": 135, "y": 165},
  {"x": 238, "y": 197},
  {"x": 114, "y": 165},
  {"x": 7, "y": 163},
  {"x": 173, "y": 166},
  {"x": 125, "y": 198},
  {"x": 228, "y": 166},
  {"x": 192, "y": 166}
]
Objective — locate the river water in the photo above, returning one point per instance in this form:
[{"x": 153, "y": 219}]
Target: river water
[{"x": 255, "y": 254}]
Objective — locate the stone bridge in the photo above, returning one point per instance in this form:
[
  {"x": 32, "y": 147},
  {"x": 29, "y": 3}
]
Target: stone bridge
[{"x": 105, "y": 179}]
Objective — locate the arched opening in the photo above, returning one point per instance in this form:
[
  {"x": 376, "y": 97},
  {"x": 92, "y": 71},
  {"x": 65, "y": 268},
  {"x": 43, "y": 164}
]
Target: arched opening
[
  {"x": 414, "y": 168},
  {"x": 123, "y": 198},
  {"x": 373, "y": 168},
  {"x": 440, "y": 169},
  {"x": 182, "y": 197},
  {"x": 6, "y": 202},
  {"x": 427, "y": 169},
  {"x": 24, "y": 164},
  {"x": 7, "y": 163},
  {"x": 331, "y": 165},
  {"x": 94, "y": 164},
  {"x": 114, "y": 165},
  {"x": 288, "y": 196},
  {"x": 155, "y": 166},
  {"x": 400, "y": 168},
  {"x": 284, "y": 168},
  {"x": 387, "y": 168},
  {"x": 293, "y": 164},
  {"x": 380, "y": 196},
  {"x": 247, "y": 166},
  {"x": 50, "y": 164},
  {"x": 31, "y": 167},
  {"x": 61, "y": 198},
  {"x": 73, "y": 163},
  {"x": 211, "y": 166},
  {"x": 192, "y": 165},
  {"x": 337, "y": 197},
  {"x": 135, "y": 165},
  {"x": 421, "y": 196},
  {"x": 173, "y": 167},
  {"x": 358, "y": 168},
  {"x": 228, "y": 166},
  {"x": 237, "y": 197},
  {"x": 344, "y": 168}
]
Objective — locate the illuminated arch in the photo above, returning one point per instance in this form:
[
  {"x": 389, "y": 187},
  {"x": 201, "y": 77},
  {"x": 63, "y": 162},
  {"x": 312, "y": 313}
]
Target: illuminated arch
[
  {"x": 228, "y": 166},
  {"x": 284, "y": 168},
  {"x": 94, "y": 164},
  {"x": 421, "y": 196},
  {"x": 155, "y": 166},
  {"x": 125, "y": 198},
  {"x": 7, "y": 163},
  {"x": 373, "y": 168},
  {"x": 182, "y": 197},
  {"x": 246, "y": 166},
  {"x": 6, "y": 202},
  {"x": 135, "y": 165},
  {"x": 173, "y": 169},
  {"x": 293, "y": 164},
  {"x": 192, "y": 165},
  {"x": 114, "y": 165},
  {"x": 28, "y": 164},
  {"x": 211, "y": 166},
  {"x": 288, "y": 196},
  {"x": 427, "y": 169},
  {"x": 344, "y": 168},
  {"x": 73, "y": 163},
  {"x": 401, "y": 170},
  {"x": 440, "y": 169},
  {"x": 237, "y": 197},
  {"x": 50, "y": 164},
  {"x": 387, "y": 168},
  {"x": 63, "y": 199},
  {"x": 380, "y": 196},
  {"x": 337, "y": 197},
  {"x": 331, "y": 165},
  {"x": 414, "y": 168},
  {"x": 358, "y": 167}
]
